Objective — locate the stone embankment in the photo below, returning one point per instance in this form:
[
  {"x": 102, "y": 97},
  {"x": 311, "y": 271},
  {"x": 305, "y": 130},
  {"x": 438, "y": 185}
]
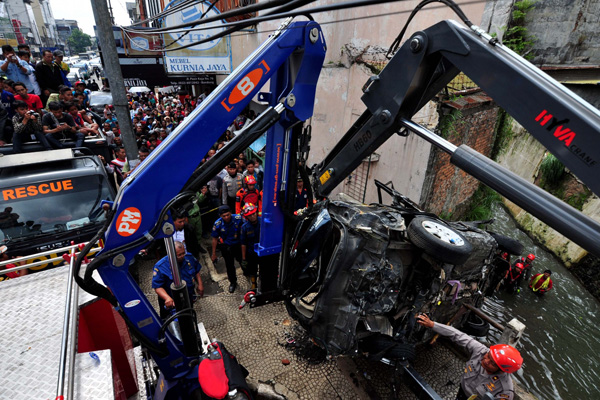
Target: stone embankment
[{"x": 523, "y": 155}]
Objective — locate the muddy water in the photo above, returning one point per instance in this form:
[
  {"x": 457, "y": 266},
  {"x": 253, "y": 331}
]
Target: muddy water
[{"x": 561, "y": 345}]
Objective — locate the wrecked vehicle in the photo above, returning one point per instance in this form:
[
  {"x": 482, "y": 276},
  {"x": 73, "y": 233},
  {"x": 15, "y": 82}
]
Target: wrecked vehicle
[{"x": 358, "y": 275}]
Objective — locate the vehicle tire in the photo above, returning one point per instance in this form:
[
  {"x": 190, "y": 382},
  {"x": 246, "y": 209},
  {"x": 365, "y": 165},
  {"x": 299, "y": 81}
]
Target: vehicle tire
[
  {"x": 439, "y": 240},
  {"x": 475, "y": 326},
  {"x": 507, "y": 244}
]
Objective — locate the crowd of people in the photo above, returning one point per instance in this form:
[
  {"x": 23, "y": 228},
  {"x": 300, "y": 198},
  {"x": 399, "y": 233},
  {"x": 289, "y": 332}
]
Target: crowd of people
[{"x": 39, "y": 103}]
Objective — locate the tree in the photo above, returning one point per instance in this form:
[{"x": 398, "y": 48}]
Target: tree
[{"x": 78, "y": 41}]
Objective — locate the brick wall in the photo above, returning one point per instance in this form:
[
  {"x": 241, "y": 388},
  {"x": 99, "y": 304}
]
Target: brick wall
[{"x": 448, "y": 189}]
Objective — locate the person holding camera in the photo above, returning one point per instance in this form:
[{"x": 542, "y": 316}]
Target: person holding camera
[
  {"x": 27, "y": 127},
  {"x": 16, "y": 69},
  {"x": 34, "y": 103},
  {"x": 60, "y": 125}
]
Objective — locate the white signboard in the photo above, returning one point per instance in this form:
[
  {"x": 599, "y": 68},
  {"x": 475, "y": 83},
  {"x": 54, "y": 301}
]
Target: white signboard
[{"x": 212, "y": 56}]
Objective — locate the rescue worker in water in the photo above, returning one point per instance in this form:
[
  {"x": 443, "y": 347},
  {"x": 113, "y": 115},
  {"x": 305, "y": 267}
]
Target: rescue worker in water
[
  {"x": 541, "y": 283},
  {"x": 488, "y": 369}
]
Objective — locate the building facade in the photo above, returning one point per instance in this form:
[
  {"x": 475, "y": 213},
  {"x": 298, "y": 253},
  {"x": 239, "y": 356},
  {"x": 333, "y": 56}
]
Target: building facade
[
  {"x": 22, "y": 18},
  {"x": 65, "y": 28},
  {"x": 45, "y": 23}
]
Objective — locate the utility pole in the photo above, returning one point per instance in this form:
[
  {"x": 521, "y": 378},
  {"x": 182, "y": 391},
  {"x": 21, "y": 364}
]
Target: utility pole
[{"x": 115, "y": 78}]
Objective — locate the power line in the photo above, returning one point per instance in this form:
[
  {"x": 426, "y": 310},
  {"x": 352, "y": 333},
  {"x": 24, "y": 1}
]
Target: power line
[{"x": 362, "y": 17}]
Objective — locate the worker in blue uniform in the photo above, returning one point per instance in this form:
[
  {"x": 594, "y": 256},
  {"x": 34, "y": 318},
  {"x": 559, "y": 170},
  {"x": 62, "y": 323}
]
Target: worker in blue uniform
[
  {"x": 226, "y": 235},
  {"x": 189, "y": 268}
]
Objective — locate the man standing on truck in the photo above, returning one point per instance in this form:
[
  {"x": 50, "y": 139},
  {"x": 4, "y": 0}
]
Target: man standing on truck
[
  {"x": 488, "y": 369},
  {"x": 48, "y": 75}
]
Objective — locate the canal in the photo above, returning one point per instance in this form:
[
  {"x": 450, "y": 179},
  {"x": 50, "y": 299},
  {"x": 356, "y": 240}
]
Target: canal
[{"x": 561, "y": 344}]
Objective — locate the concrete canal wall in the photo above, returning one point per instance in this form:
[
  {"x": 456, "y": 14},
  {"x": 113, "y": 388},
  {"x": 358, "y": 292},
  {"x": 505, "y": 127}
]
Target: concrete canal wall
[{"x": 523, "y": 155}]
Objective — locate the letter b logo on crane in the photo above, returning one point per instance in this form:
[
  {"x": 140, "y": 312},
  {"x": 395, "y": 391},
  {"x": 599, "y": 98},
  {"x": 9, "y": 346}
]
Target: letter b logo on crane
[{"x": 129, "y": 221}]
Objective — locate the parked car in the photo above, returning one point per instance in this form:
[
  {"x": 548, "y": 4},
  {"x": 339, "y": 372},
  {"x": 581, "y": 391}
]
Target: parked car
[
  {"x": 84, "y": 69},
  {"x": 75, "y": 75},
  {"x": 98, "y": 100},
  {"x": 95, "y": 63}
]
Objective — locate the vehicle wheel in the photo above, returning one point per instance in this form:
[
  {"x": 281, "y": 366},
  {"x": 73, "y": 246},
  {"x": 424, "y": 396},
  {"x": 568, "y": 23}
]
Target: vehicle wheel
[
  {"x": 475, "y": 326},
  {"x": 439, "y": 240},
  {"x": 507, "y": 244}
]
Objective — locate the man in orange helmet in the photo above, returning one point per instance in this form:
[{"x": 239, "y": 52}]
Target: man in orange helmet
[
  {"x": 248, "y": 195},
  {"x": 488, "y": 369}
]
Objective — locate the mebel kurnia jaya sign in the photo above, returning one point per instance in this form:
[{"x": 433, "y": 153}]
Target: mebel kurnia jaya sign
[{"x": 212, "y": 56}]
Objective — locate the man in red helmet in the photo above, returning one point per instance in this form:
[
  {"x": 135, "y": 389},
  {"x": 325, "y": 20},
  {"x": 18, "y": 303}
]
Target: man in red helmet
[
  {"x": 248, "y": 195},
  {"x": 527, "y": 266},
  {"x": 513, "y": 277},
  {"x": 488, "y": 369}
]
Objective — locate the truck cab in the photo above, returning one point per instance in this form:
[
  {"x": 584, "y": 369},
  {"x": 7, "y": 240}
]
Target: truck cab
[{"x": 49, "y": 199}]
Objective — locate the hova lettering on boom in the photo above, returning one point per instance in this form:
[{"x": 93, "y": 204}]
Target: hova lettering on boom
[{"x": 564, "y": 134}]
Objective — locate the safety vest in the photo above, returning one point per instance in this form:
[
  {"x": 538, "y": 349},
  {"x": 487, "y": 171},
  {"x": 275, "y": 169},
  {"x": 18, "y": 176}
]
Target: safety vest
[{"x": 544, "y": 285}]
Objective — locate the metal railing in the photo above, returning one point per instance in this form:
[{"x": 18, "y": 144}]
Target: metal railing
[
  {"x": 71, "y": 314},
  {"x": 18, "y": 260}
]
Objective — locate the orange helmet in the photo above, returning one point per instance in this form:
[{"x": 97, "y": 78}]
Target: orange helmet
[
  {"x": 250, "y": 180},
  {"x": 249, "y": 209},
  {"x": 506, "y": 357},
  {"x": 531, "y": 257}
]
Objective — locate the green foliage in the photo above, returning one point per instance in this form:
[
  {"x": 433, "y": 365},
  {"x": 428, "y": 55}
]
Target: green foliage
[
  {"x": 552, "y": 171},
  {"x": 446, "y": 215},
  {"x": 481, "y": 204},
  {"x": 579, "y": 199},
  {"x": 449, "y": 123},
  {"x": 516, "y": 36},
  {"x": 78, "y": 41}
]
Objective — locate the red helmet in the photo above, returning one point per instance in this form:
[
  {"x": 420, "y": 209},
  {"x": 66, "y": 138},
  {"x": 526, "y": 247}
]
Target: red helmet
[
  {"x": 250, "y": 180},
  {"x": 519, "y": 265},
  {"x": 531, "y": 257},
  {"x": 506, "y": 357},
  {"x": 249, "y": 209}
]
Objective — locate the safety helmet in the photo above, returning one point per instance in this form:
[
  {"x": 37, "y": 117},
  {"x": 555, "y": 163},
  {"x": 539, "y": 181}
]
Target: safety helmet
[
  {"x": 519, "y": 265},
  {"x": 506, "y": 357},
  {"x": 249, "y": 209},
  {"x": 250, "y": 180},
  {"x": 531, "y": 257}
]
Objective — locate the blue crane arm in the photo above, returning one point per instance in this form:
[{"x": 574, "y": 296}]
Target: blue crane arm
[{"x": 292, "y": 59}]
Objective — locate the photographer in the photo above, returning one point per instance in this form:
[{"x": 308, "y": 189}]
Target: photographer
[
  {"x": 58, "y": 125},
  {"x": 16, "y": 69},
  {"x": 27, "y": 127},
  {"x": 34, "y": 103}
]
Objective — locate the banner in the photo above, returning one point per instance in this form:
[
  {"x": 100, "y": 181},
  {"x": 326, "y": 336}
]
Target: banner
[
  {"x": 213, "y": 56},
  {"x": 140, "y": 44}
]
